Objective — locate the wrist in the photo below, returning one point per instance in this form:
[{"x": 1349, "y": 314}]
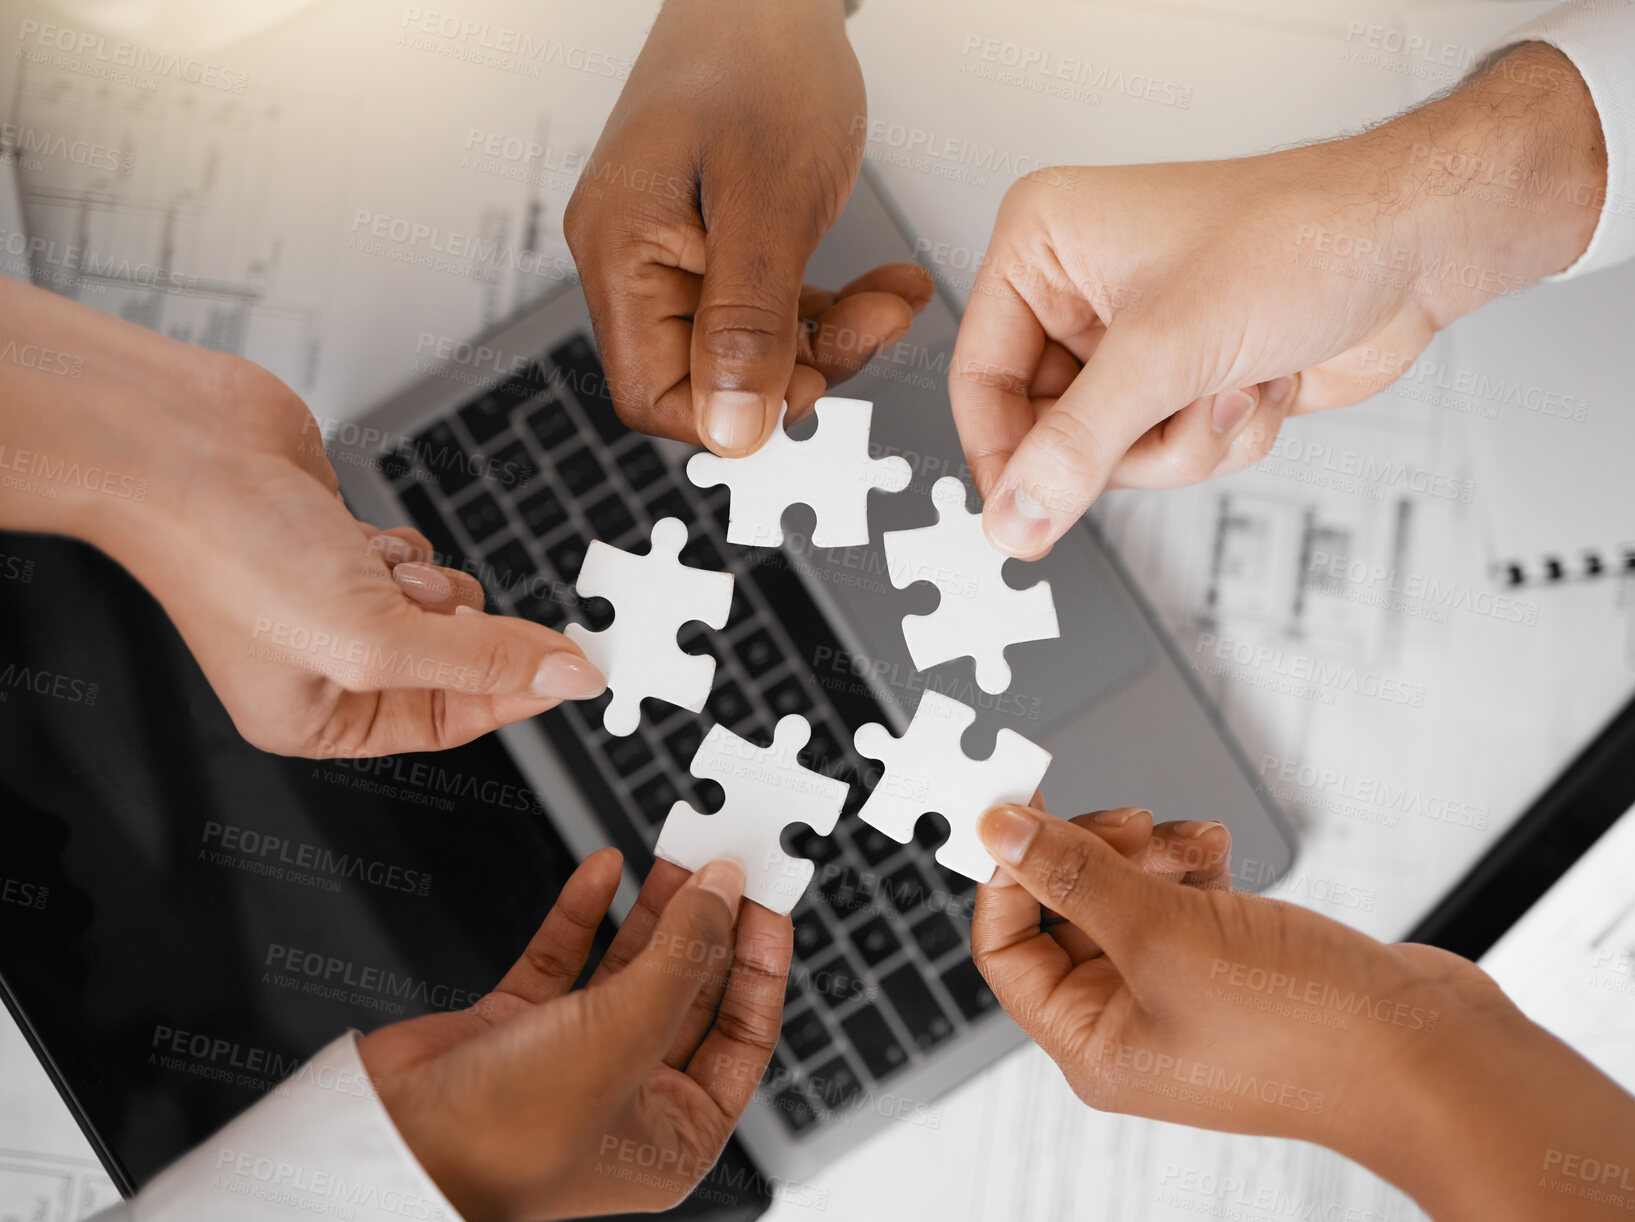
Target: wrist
[
  {"x": 1501, "y": 183},
  {"x": 1489, "y": 1116}
]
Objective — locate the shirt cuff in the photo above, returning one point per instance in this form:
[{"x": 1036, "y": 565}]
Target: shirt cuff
[
  {"x": 1599, "y": 37},
  {"x": 320, "y": 1145}
]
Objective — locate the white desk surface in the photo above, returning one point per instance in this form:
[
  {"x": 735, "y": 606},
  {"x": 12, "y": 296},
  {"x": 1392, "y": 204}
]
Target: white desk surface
[{"x": 1394, "y": 802}]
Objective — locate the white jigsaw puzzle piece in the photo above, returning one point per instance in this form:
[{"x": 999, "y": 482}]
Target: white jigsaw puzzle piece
[
  {"x": 652, "y": 597},
  {"x": 767, "y": 789},
  {"x": 928, "y": 770},
  {"x": 831, "y": 471},
  {"x": 979, "y": 615}
]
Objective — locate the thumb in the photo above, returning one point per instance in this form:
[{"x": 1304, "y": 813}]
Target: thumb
[
  {"x": 692, "y": 946},
  {"x": 1062, "y": 464},
  {"x": 1075, "y": 872},
  {"x": 745, "y": 326},
  {"x": 479, "y": 654}
]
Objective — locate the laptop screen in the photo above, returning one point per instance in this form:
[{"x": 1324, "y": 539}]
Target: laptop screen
[{"x": 185, "y": 919}]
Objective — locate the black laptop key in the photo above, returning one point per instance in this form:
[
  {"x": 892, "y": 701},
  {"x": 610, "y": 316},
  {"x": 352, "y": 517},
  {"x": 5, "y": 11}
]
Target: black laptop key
[
  {"x": 542, "y": 511},
  {"x": 969, "y": 991},
  {"x": 655, "y": 797},
  {"x": 640, "y": 463},
  {"x": 838, "y": 982},
  {"x": 516, "y": 391},
  {"x": 441, "y": 453},
  {"x": 509, "y": 569},
  {"x": 394, "y": 465},
  {"x": 817, "y": 848},
  {"x": 728, "y": 705},
  {"x": 871, "y": 1036},
  {"x": 805, "y": 1034},
  {"x": 670, "y": 503},
  {"x": 592, "y": 711},
  {"x": 700, "y": 553},
  {"x": 796, "y": 1109},
  {"x": 682, "y": 744},
  {"x": 844, "y": 890},
  {"x": 822, "y": 752},
  {"x": 758, "y": 652},
  {"x": 811, "y": 934},
  {"x": 481, "y": 516},
  {"x": 610, "y": 518},
  {"x": 540, "y": 607},
  {"x": 836, "y": 1083},
  {"x": 567, "y": 556},
  {"x": 955, "y": 883},
  {"x": 777, "y": 1074},
  {"x": 876, "y": 847},
  {"x": 551, "y": 424},
  {"x": 912, "y": 999},
  {"x": 581, "y": 369},
  {"x": 936, "y": 936},
  {"x": 742, "y": 608},
  {"x": 875, "y": 940},
  {"x": 423, "y": 512},
  {"x": 512, "y": 466},
  {"x": 581, "y": 472},
  {"x": 627, "y": 755},
  {"x": 789, "y": 696},
  {"x": 486, "y": 416},
  {"x": 907, "y": 889}
]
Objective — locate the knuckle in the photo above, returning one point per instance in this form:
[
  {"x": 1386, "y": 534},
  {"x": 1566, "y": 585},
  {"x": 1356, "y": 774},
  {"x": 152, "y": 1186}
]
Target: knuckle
[
  {"x": 739, "y": 328},
  {"x": 1193, "y": 463},
  {"x": 492, "y": 666},
  {"x": 1064, "y": 878},
  {"x": 1068, "y": 443}
]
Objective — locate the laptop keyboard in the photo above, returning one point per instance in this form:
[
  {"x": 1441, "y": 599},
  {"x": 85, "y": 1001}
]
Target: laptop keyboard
[{"x": 511, "y": 486}]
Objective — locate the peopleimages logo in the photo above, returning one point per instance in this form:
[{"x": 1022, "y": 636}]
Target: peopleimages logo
[
  {"x": 119, "y": 54},
  {"x": 331, "y": 977},
  {"x": 275, "y": 853}
]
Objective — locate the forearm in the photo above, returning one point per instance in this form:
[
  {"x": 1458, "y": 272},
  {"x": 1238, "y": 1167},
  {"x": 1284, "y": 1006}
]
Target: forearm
[
  {"x": 67, "y": 459},
  {"x": 1503, "y": 1120},
  {"x": 1503, "y": 180}
]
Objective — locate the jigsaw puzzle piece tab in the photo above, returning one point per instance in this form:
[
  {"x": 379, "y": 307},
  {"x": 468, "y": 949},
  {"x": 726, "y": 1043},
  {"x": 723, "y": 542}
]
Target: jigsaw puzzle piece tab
[
  {"x": 978, "y": 615},
  {"x": 831, "y": 472},
  {"x": 767, "y": 789},
  {"x": 652, "y": 596},
  {"x": 927, "y": 770}
]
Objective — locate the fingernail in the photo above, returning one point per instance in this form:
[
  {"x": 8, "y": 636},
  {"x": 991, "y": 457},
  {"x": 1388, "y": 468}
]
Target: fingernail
[
  {"x": 393, "y": 550},
  {"x": 1231, "y": 408},
  {"x": 567, "y": 676},
  {"x": 1118, "y": 818},
  {"x": 1017, "y": 523},
  {"x": 467, "y": 609},
  {"x": 1006, "y": 832},
  {"x": 733, "y": 418},
  {"x": 724, "y": 878},
  {"x": 423, "y": 582},
  {"x": 1196, "y": 829},
  {"x": 1277, "y": 390}
]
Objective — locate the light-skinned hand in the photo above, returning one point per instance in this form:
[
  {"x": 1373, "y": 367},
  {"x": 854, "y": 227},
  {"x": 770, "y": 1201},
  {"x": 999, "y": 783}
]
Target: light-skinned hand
[
  {"x": 206, "y": 477},
  {"x": 1150, "y": 326}
]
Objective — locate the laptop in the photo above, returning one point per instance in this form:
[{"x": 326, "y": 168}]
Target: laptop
[{"x": 510, "y": 459}]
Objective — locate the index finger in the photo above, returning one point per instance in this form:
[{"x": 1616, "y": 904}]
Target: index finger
[{"x": 641, "y": 276}]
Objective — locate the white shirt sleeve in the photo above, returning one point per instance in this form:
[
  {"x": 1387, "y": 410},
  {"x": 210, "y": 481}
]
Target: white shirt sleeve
[
  {"x": 320, "y": 1145},
  {"x": 1599, "y": 37}
]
